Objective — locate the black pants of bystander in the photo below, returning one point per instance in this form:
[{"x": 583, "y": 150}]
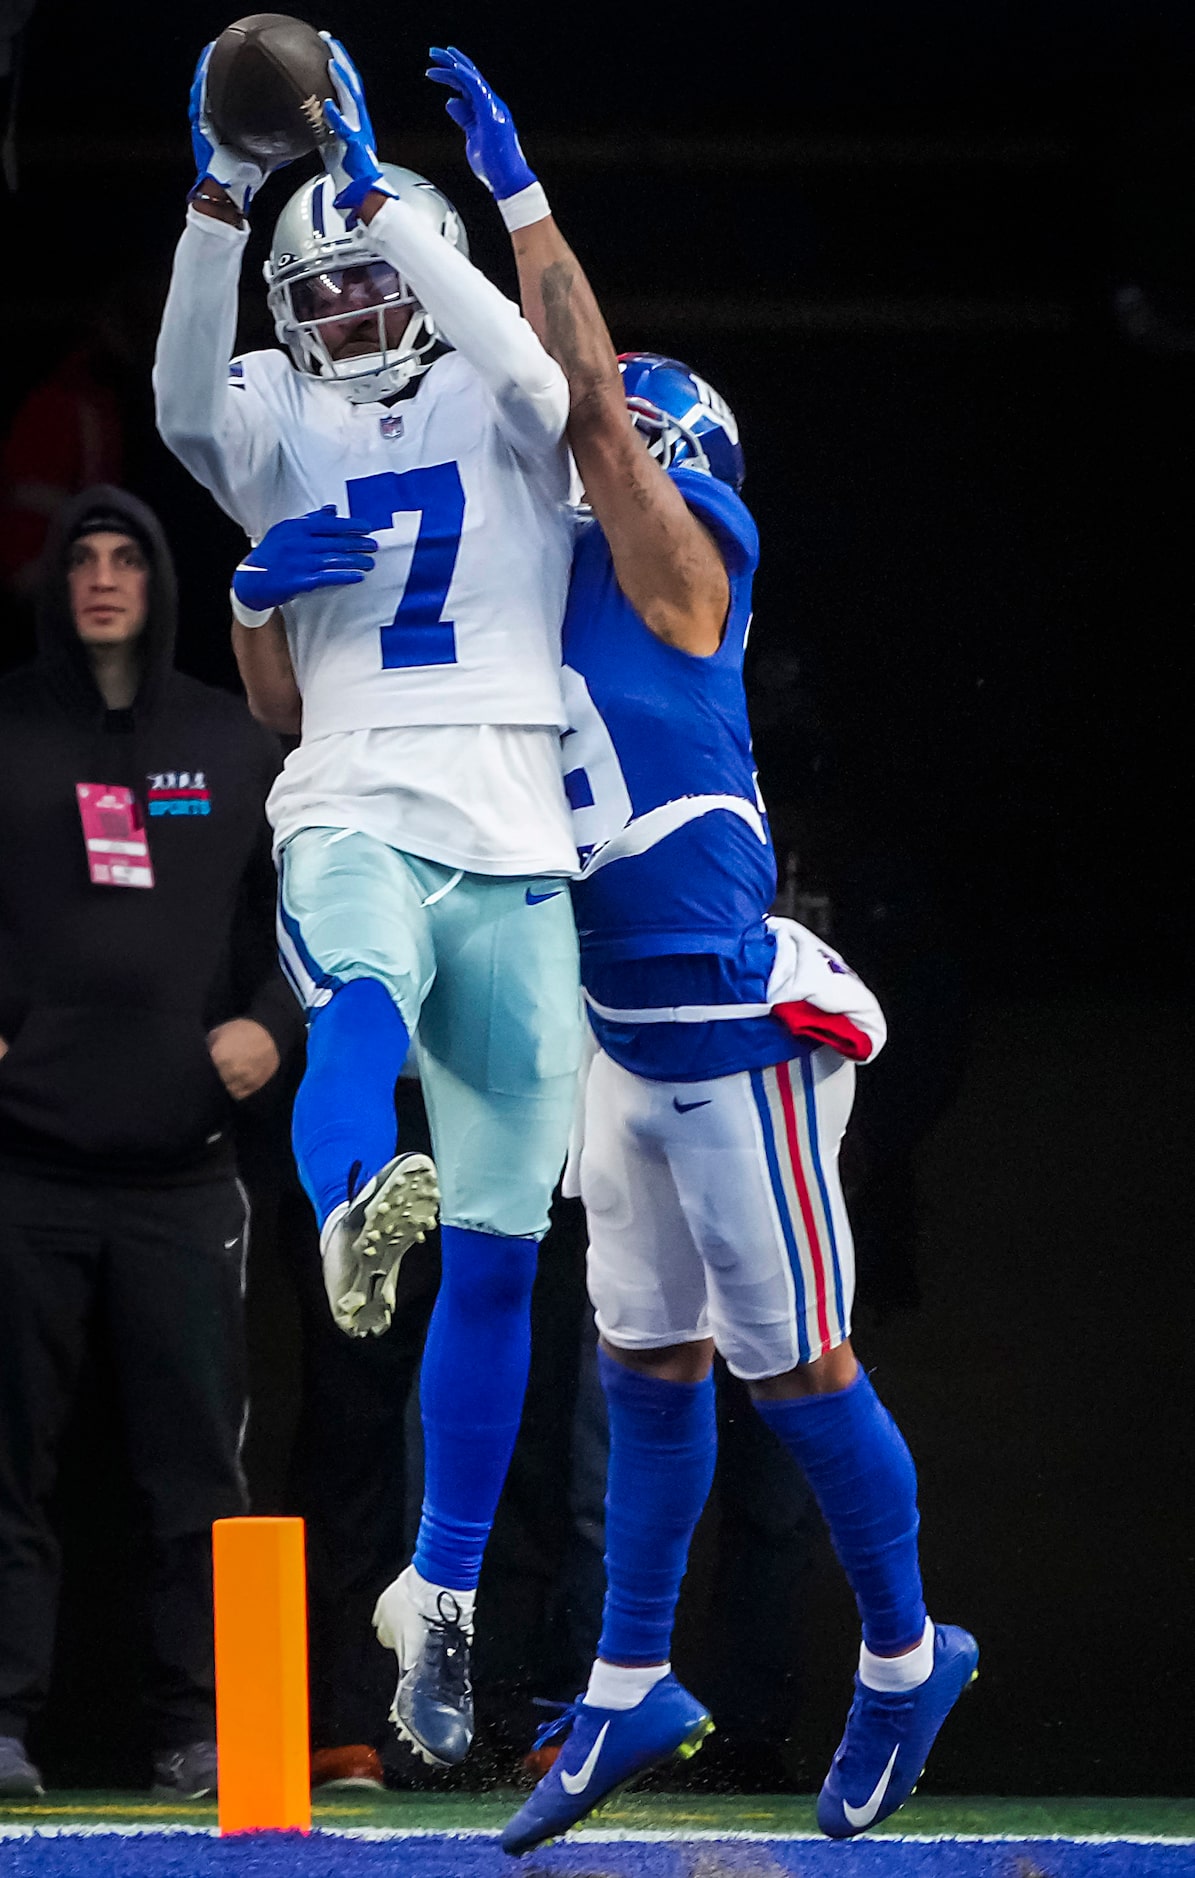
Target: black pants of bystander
[{"x": 158, "y": 1273}]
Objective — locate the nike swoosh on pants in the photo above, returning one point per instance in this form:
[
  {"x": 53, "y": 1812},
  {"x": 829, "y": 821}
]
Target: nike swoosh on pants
[
  {"x": 859, "y": 1816},
  {"x": 577, "y": 1783}
]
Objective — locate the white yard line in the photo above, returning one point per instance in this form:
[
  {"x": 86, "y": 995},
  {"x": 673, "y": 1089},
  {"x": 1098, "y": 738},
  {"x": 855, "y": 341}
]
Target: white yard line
[{"x": 613, "y": 1835}]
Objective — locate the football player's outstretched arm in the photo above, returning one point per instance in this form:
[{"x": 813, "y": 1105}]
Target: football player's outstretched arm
[
  {"x": 225, "y": 437},
  {"x": 526, "y": 385},
  {"x": 667, "y": 563}
]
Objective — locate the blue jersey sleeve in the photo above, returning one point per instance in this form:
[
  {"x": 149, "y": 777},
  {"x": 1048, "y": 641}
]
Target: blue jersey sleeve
[{"x": 725, "y": 515}]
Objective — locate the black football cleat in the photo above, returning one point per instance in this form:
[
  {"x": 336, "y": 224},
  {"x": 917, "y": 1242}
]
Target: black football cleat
[
  {"x": 19, "y": 1778},
  {"x": 186, "y": 1773}
]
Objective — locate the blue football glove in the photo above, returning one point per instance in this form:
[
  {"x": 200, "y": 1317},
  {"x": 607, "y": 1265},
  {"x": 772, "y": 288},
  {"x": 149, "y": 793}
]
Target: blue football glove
[
  {"x": 350, "y": 158},
  {"x": 239, "y": 174},
  {"x": 491, "y": 140},
  {"x": 301, "y": 554}
]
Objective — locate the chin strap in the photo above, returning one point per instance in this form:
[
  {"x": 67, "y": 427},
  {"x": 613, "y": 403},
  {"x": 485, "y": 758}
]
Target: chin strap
[
  {"x": 380, "y": 382},
  {"x": 374, "y": 374}
]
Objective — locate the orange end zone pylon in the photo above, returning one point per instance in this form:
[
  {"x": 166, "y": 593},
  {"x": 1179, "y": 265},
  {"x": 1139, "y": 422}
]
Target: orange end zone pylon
[{"x": 261, "y": 1675}]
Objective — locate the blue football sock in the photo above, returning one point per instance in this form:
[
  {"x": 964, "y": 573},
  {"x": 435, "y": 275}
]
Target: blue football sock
[
  {"x": 343, "y": 1126},
  {"x": 862, "y": 1474},
  {"x": 663, "y": 1444},
  {"x": 471, "y": 1388}
]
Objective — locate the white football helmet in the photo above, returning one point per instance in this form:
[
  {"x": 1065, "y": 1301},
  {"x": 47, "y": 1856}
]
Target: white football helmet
[{"x": 320, "y": 271}]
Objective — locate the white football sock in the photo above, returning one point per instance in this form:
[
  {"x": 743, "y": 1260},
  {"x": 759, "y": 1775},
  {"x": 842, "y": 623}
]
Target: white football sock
[
  {"x": 330, "y": 1224},
  {"x": 620, "y": 1685},
  {"x": 890, "y": 1673},
  {"x": 426, "y": 1597}
]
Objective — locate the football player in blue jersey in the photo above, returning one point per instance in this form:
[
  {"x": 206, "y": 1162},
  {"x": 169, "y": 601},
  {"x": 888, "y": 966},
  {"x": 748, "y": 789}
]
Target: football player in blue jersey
[{"x": 723, "y": 1073}]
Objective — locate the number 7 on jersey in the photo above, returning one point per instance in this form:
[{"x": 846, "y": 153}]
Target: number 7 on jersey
[{"x": 418, "y": 633}]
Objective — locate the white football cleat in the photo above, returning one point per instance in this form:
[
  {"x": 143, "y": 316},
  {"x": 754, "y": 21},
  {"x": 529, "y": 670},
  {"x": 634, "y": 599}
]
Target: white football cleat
[{"x": 364, "y": 1241}]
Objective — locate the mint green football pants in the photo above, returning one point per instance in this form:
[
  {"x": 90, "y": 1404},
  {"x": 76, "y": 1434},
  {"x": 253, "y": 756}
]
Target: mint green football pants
[{"x": 484, "y": 971}]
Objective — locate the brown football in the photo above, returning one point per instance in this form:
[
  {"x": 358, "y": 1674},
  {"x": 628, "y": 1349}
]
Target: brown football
[{"x": 267, "y": 80}]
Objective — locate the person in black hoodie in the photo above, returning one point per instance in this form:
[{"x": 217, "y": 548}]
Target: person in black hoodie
[{"x": 140, "y": 1001}]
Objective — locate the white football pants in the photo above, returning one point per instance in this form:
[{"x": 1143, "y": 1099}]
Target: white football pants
[{"x": 715, "y": 1210}]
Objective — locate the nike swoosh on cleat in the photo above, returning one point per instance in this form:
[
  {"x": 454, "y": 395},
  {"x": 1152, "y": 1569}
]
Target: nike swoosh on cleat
[
  {"x": 577, "y": 1783},
  {"x": 682, "y": 1108},
  {"x": 860, "y": 1816},
  {"x": 533, "y": 899}
]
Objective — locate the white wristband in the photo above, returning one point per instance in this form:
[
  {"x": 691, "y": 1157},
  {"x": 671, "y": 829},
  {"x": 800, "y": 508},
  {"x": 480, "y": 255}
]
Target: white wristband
[
  {"x": 248, "y": 615},
  {"x": 530, "y": 205}
]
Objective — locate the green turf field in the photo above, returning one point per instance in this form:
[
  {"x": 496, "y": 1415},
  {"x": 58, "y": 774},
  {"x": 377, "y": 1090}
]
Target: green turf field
[{"x": 780, "y": 1815}]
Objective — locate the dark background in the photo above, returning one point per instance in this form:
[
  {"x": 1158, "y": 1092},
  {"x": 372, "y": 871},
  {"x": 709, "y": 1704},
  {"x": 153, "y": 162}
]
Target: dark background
[{"x": 941, "y": 260}]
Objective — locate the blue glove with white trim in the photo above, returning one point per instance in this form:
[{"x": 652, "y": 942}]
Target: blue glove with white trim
[
  {"x": 301, "y": 554},
  {"x": 491, "y": 140},
  {"x": 351, "y": 158},
  {"x": 235, "y": 172}
]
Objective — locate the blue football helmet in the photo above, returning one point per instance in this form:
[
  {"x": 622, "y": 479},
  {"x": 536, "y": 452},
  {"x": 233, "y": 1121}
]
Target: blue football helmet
[{"x": 681, "y": 418}]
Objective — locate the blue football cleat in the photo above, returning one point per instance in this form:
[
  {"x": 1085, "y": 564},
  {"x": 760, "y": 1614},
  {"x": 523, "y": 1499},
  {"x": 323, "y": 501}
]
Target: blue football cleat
[
  {"x": 888, "y": 1737},
  {"x": 605, "y": 1750}
]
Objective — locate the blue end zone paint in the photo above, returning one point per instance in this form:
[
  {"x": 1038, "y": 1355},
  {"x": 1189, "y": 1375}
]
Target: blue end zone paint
[{"x": 327, "y": 1855}]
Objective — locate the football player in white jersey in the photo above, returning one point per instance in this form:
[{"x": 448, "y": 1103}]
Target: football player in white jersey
[
  {"x": 401, "y": 471},
  {"x": 723, "y": 1077}
]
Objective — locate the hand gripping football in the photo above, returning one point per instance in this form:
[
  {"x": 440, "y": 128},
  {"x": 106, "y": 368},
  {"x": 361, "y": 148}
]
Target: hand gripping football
[{"x": 267, "y": 80}]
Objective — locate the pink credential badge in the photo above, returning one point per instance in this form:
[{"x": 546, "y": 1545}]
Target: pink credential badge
[{"x": 114, "y": 836}]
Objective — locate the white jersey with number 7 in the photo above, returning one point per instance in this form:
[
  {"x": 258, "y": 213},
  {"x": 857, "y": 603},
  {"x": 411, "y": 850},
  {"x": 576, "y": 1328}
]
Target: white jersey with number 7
[
  {"x": 459, "y": 620},
  {"x": 431, "y": 690}
]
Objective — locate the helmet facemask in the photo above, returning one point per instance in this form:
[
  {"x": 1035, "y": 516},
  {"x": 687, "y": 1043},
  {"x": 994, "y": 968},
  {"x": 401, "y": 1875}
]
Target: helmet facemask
[
  {"x": 303, "y": 303},
  {"x": 668, "y": 439},
  {"x": 315, "y": 258}
]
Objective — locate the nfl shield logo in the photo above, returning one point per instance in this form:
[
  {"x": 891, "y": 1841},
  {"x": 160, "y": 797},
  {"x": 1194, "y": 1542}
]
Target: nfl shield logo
[{"x": 391, "y": 425}]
